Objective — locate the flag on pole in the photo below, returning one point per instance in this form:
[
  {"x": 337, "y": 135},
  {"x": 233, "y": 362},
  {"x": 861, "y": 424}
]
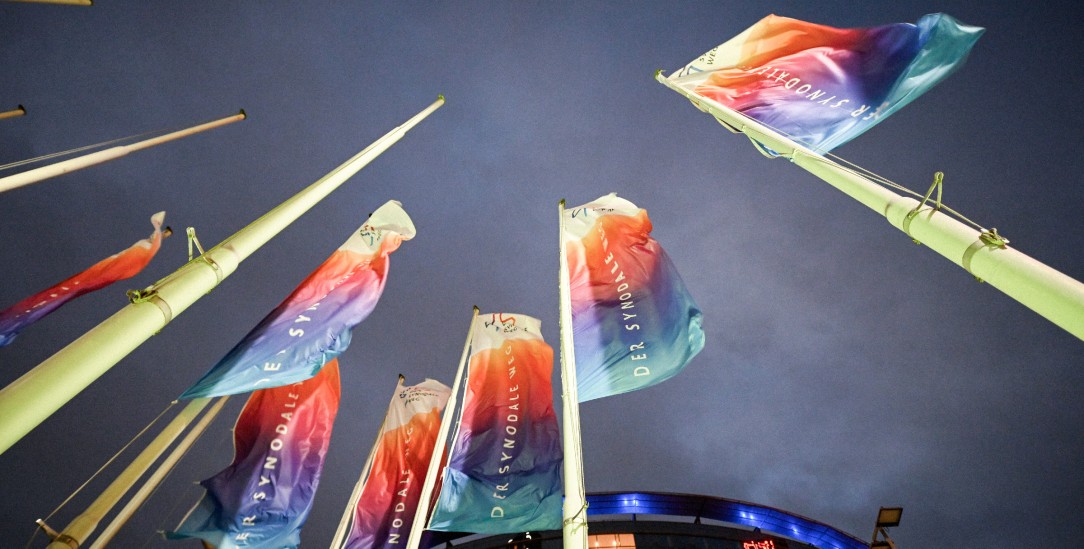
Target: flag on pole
[
  {"x": 385, "y": 510},
  {"x": 504, "y": 472},
  {"x": 280, "y": 440},
  {"x": 824, "y": 86},
  {"x": 120, "y": 266},
  {"x": 313, "y": 324},
  {"x": 633, "y": 322}
]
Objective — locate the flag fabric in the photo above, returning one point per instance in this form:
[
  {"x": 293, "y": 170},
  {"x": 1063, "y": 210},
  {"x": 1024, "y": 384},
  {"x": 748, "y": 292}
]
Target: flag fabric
[
  {"x": 824, "y": 86},
  {"x": 504, "y": 472},
  {"x": 120, "y": 266},
  {"x": 633, "y": 322},
  {"x": 280, "y": 440},
  {"x": 313, "y": 324},
  {"x": 385, "y": 510}
]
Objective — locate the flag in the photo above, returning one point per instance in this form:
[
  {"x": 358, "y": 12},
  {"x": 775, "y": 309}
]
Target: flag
[
  {"x": 280, "y": 440},
  {"x": 313, "y": 324},
  {"x": 824, "y": 86},
  {"x": 120, "y": 266},
  {"x": 385, "y": 510},
  {"x": 633, "y": 322},
  {"x": 503, "y": 474}
]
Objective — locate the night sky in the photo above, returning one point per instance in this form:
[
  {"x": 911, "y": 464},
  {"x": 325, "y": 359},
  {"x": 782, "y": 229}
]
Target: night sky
[{"x": 845, "y": 368}]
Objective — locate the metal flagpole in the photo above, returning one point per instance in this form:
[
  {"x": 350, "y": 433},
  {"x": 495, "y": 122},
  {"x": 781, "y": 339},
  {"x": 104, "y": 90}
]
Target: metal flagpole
[
  {"x": 1054, "y": 295},
  {"x": 348, "y": 514},
  {"x": 18, "y": 111},
  {"x": 429, "y": 484},
  {"x": 85, "y": 523},
  {"x": 141, "y": 495},
  {"x": 68, "y": 2},
  {"x": 32, "y": 398},
  {"x": 95, "y": 158},
  {"x": 574, "y": 522}
]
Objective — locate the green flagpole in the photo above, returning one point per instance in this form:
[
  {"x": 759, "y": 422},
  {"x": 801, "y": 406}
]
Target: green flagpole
[
  {"x": 1054, "y": 295},
  {"x": 32, "y": 398}
]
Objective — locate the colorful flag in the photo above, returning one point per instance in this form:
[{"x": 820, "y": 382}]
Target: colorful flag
[
  {"x": 125, "y": 264},
  {"x": 385, "y": 511},
  {"x": 313, "y": 324},
  {"x": 824, "y": 86},
  {"x": 633, "y": 322},
  {"x": 263, "y": 498},
  {"x": 504, "y": 473}
]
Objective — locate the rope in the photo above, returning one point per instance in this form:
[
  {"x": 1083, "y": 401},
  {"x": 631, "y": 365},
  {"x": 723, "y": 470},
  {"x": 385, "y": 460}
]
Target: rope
[
  {"x": 855, "y": 169},
  {"x": 79, "y": 149},
  {"x": 100, "y": 469}
]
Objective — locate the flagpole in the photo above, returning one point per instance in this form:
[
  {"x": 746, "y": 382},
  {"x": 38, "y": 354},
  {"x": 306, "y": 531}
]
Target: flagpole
[
  {"x": 18, "y": 111},
  {"x": 52, "y": 170},
  {"x": 29, "y": 400},
  {"x": 141, "y": 495},
  {"x": 574, "y": 520},
  {"x": 66, "y": 2},
  {"x": 84, "y": 524},
  {"x": 1050, "y": 293},
  {"x": 421, "y": 513},
  {"x": 348, "y": 514}
]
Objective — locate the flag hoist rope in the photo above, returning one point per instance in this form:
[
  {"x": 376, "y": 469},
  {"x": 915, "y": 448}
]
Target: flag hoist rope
[
  {"x": 574, "y": 516},
  {"x": 348, "y": 513},
  {"x": 421, "y": 518},
  {"x": 1054, "y": 295},
  {"x": 32, "y": 398},
  {"x": 52, "y": 170}
]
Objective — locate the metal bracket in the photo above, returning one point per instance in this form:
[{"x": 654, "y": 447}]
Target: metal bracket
[
  {"x": 938, "y": 177},
  {"x": 193, "y": 239},
  {"x": 991, "y": 238}
]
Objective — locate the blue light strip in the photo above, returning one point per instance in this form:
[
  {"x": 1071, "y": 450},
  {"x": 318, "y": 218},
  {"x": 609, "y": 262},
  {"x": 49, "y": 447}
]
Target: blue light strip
[{"x": 768, "y": 519}]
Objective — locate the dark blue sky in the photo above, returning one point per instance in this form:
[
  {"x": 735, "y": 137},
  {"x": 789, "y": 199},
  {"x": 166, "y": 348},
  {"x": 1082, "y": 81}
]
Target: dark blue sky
[{"x": 845, "y": 368}]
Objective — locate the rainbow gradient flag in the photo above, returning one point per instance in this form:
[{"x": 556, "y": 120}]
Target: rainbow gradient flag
[
  {"x": 504, "y": 471},
  {"x": 312, "y": 326},
  {"x": 119, "y": 266},
  {"x": 824, "y": 86},
  {"x": 633, "y": 322},
  {"x": 384, "y": 512},
  {"x": 280, "y": 440}
]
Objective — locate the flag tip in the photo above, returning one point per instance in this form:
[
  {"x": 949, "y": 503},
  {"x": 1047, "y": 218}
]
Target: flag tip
[
  {"x": 244, "y": 115},
  {"x": 561, "y": 203},
  {"x": 402, "y": 378},
  {"x": 440, "y": 97},
  {"x": 658, "y": 72},
  {"x": 476, "y": 309},
  {"x": 21, "y": 108}
]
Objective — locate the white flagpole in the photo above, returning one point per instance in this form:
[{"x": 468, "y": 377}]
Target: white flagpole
[
  {"x": 84, "y": 524},
  {"x": 1054, "y": 295},
  {"x": 18, "y": 111},
  {"x": 95, "y": 158},
  {"x": 32, "y": 398},
  {"x": 574, "y": 523},
  {"x": 141, "y": 495},
  {"x": 348, "y": 514},
  {"x": 421, "y": 514}
]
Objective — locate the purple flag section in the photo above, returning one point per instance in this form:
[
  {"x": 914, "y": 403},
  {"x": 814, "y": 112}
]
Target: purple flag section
[
  {"x": 263, "y": 498},
  {"x": 504, "y": 473},
  {"x": 312, "y": 326},
  {"x": 385, "y": 510},
  {"x": 120, "y": 266}
]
